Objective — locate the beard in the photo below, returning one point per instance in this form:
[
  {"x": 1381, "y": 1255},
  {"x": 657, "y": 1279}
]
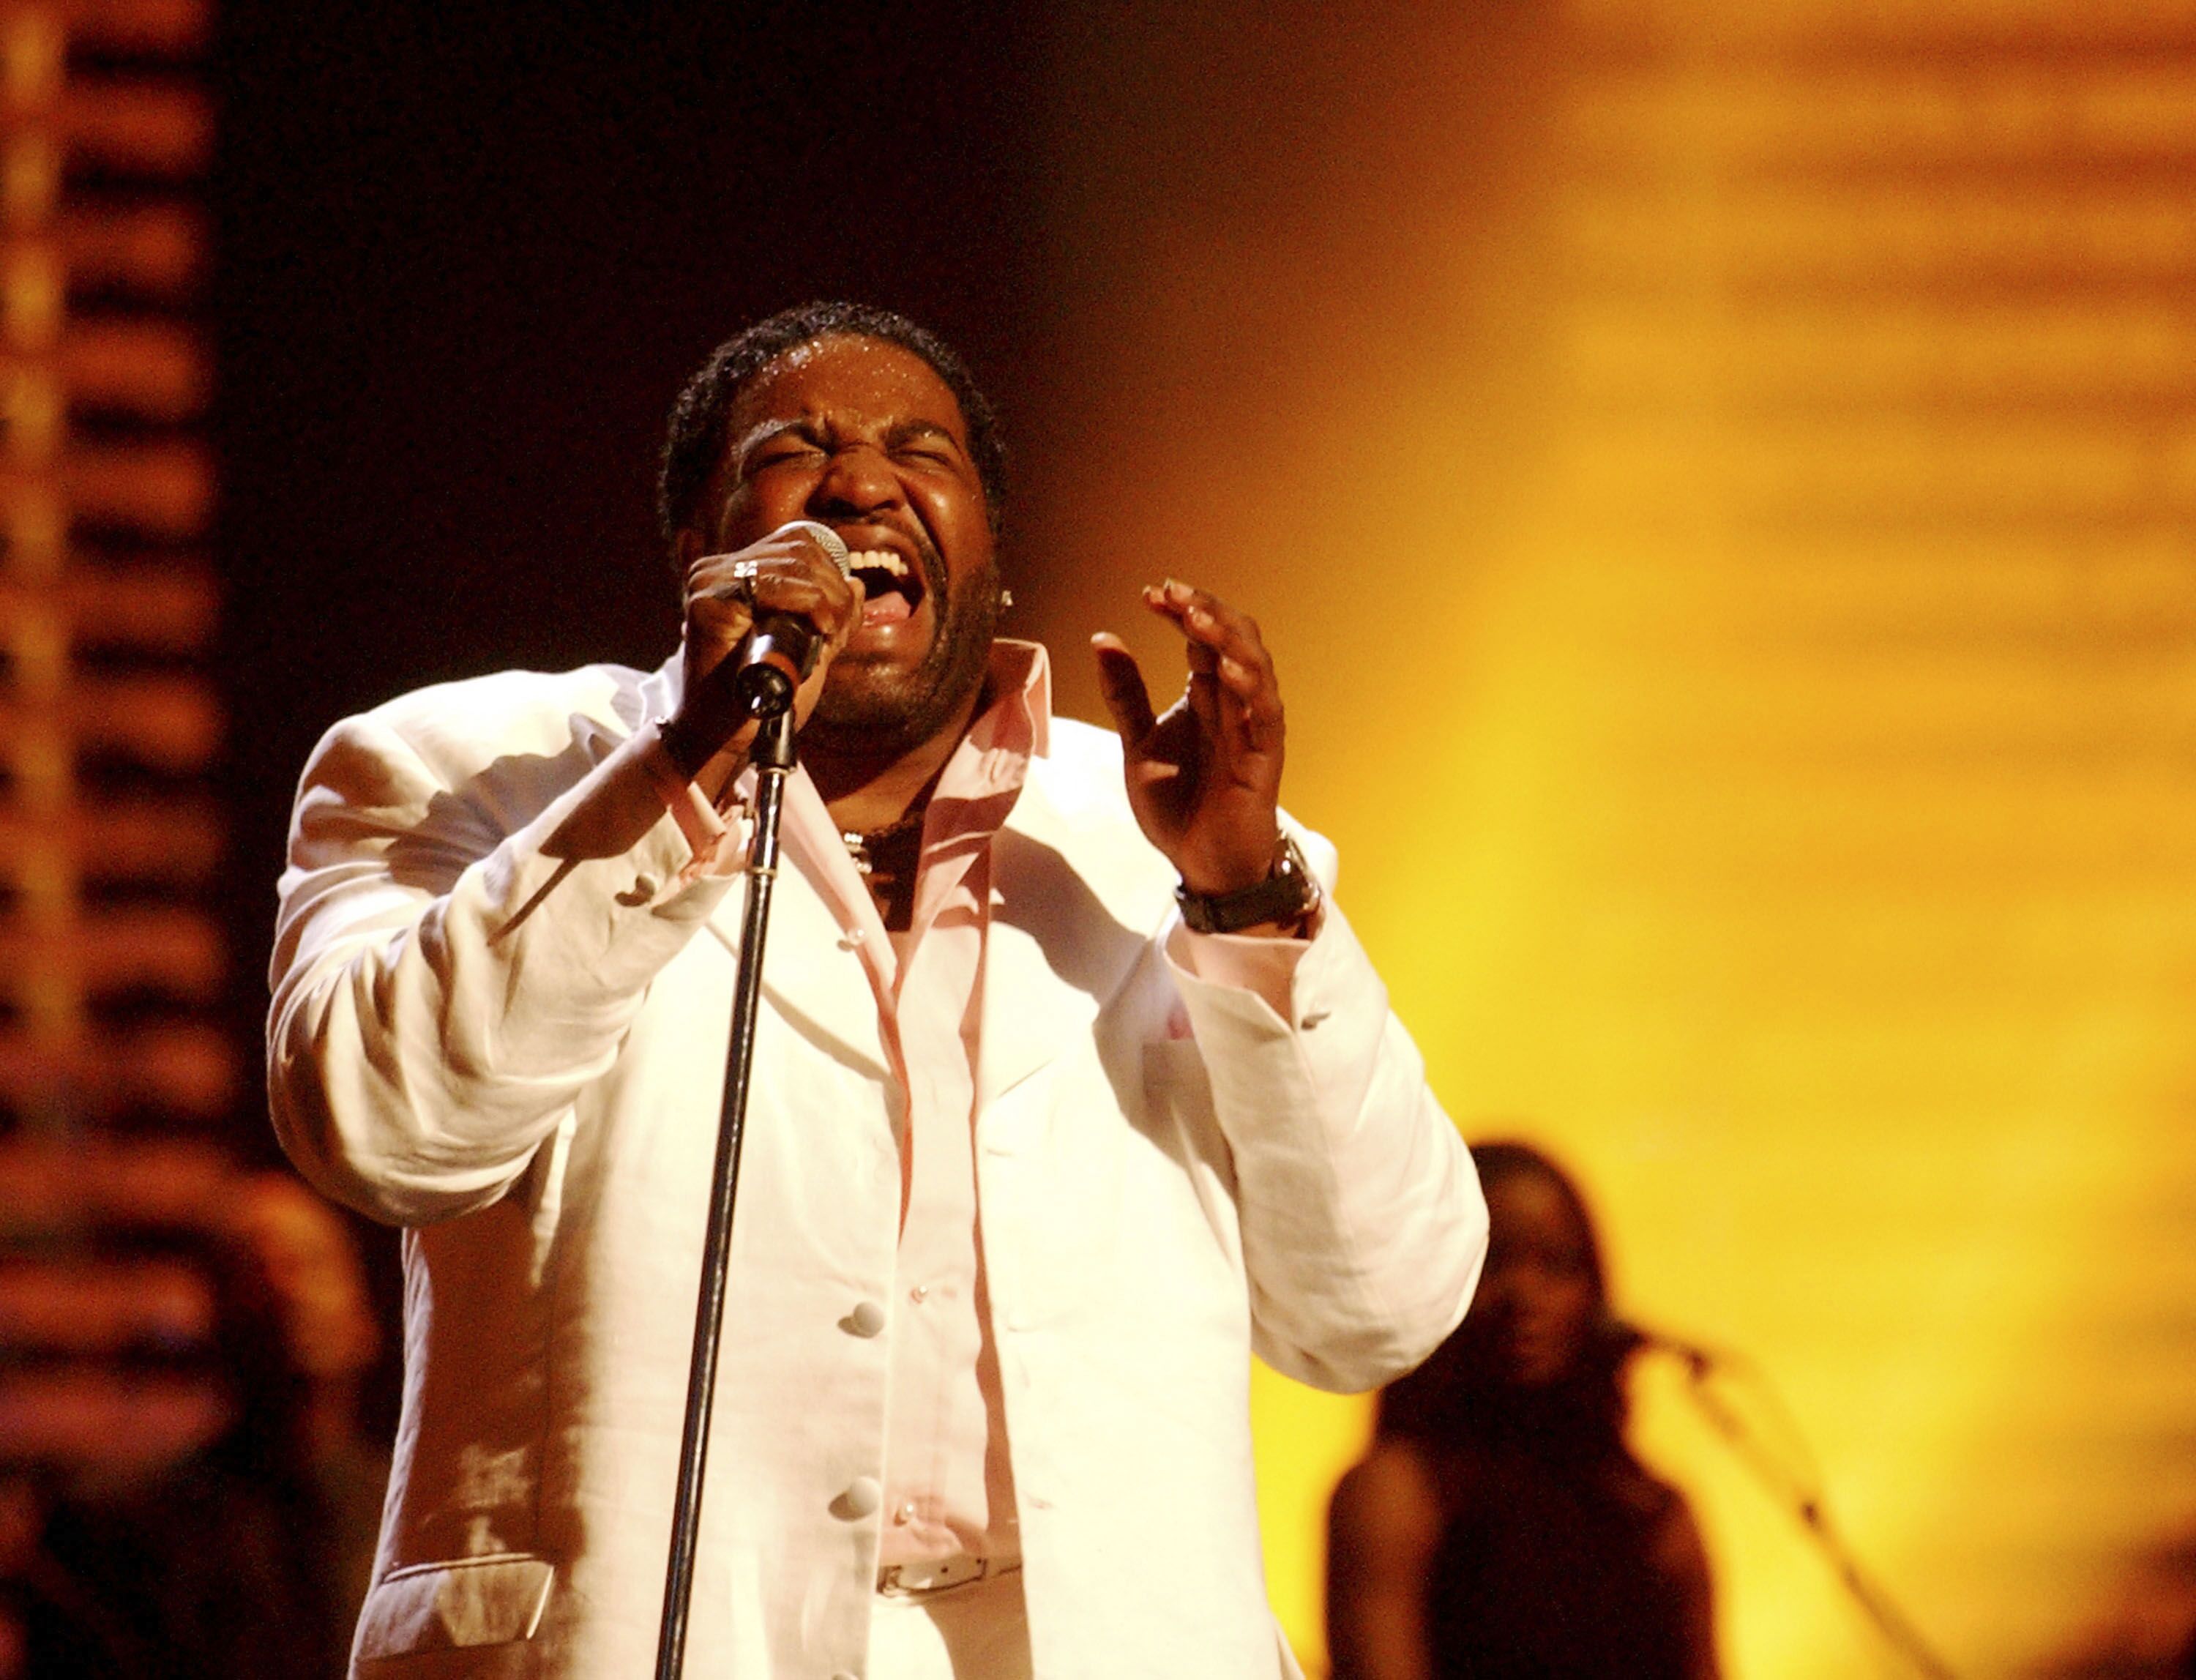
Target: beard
[{"x": 871, "y": 712}]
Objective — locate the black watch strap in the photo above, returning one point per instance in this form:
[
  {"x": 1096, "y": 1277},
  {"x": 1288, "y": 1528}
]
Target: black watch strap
[
  {"x": 685, "y": 754},
  {"x": 1284, "y": 895}
]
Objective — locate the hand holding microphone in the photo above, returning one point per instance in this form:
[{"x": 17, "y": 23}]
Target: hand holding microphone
[
  {"x": 758, "y": 619},
  {"x": 781, "y": 647}
]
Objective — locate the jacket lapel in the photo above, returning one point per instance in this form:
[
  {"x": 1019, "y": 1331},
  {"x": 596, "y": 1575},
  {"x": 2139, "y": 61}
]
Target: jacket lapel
[
  {"x": 811, "y": 974},
  {"x": 1076, "y": 903}
]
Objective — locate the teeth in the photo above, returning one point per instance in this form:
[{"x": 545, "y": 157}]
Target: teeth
[{"x": 876, "y": 560}]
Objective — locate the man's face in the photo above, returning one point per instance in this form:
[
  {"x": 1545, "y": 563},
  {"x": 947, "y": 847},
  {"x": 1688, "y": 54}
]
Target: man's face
[{"x": 865, "y": 437}]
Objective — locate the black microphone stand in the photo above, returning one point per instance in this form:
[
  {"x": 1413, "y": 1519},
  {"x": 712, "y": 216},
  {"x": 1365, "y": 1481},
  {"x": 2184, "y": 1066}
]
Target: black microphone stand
[
  {"x": 771, "y": 755},
  {"x": 1801, "y": 1492}
]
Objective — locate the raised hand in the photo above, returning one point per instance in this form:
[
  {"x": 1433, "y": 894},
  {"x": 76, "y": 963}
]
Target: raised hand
[{"x": 1205, "y": 775}]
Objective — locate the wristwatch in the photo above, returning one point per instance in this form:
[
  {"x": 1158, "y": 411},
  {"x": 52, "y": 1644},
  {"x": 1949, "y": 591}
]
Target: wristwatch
[{"x": 1286, "y": 894}]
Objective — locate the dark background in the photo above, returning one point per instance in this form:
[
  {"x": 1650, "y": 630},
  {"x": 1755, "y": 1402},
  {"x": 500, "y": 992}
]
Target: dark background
[{"x": 466, "y": 256}]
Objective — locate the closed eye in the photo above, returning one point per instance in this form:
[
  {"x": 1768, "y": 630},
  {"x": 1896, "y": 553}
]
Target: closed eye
[
  {"x": 783, "y": 449},
  {"x": 921, "y": 440},
  {"x": 774, "y": 445}
]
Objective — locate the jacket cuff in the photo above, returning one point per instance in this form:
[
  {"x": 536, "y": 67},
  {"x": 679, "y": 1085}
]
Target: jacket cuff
[
  {"x": 718, "y": 847},
  {"x": 1245, "y": 961}
]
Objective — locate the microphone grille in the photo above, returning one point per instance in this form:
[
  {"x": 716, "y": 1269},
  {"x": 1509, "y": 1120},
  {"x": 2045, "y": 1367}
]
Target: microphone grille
[{"x": 823, "y": 537}]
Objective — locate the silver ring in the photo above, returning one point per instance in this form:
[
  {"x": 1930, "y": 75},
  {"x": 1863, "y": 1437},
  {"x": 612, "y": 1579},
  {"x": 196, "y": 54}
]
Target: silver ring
[{"x": 742, "y": 586}]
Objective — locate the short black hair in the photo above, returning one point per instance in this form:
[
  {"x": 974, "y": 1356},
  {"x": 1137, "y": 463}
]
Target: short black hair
[{"x": 695, "y": 441}]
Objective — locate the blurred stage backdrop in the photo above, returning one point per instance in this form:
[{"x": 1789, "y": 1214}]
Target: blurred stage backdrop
[{"x": 1720, "y": 479}]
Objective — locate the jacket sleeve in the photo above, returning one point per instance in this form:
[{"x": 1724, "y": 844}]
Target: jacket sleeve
[
  {"x": 461, "y": 948},
  {"x": 1363, "y": 1227}
]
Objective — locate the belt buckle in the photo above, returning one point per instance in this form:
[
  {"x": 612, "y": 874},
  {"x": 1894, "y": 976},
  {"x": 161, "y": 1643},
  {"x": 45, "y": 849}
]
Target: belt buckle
[{"x": 937, "y": 1574}]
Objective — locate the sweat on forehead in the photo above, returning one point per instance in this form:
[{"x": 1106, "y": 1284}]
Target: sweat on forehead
[
  {"x": 697, "y": 438},
  {"x": 826, "y": 384}
]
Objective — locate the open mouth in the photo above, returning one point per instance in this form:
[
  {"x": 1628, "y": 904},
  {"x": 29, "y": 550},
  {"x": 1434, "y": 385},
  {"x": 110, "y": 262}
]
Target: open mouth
[{"x": 892, "y": 588}]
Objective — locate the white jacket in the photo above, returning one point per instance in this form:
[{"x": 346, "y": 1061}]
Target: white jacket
[{"x": 520, "y": 1058}]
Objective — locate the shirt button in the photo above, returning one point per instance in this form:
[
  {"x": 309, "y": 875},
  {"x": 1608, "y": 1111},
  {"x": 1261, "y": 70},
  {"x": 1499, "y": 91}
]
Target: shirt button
[
  {"x": 919, "y": 1294},
  {"x": 906, "y": 1514},
  {"x": 851, "y": 937},
  {"x": 867, "y": 1319},
  {"x": 863, "y": 1497}
]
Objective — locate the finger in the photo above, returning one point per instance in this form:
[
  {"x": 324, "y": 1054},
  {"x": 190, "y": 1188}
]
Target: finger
[
  {"x": 1209, "y": 622},
  {"x": 1250, "y": 693},
  {"x": 719, "y": 576},
  {"x": 1252, "y": 723},
  {"x": 1121, "y": 685},
  {"x": 1161, "y": 598},
  {"x": 1211, "y": 628},
  {"x": 858, "y": 598},
  {"x": 789, "y": 575},
  {"x": 773, "y": 557},
  {"x": 1176, "y": 600},
  {"x": 1244, "y": 713},
  {"x": 1234, "y": 694},
  {"x": 717, "y": 612},
  {"x": 824, "y": 604},
  {"x": 1203, "y": 690}
]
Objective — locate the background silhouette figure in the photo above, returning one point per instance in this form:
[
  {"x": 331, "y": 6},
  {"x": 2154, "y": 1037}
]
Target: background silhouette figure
[{"x": 1500, "y": 1528}]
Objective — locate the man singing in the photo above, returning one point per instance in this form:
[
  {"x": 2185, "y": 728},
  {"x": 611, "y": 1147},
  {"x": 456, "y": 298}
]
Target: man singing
[{"x": 1072, "y": 1089}]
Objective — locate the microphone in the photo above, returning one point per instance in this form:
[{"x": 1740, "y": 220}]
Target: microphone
[
  {"x": 1625, "y": 1339},
  {"x": 781, "y": 649}
]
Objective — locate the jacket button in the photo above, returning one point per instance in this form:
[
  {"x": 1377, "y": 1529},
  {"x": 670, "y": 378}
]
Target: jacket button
[
  {"x": 863, "y": 1497},
  {"x": 867, "y": 1319}
]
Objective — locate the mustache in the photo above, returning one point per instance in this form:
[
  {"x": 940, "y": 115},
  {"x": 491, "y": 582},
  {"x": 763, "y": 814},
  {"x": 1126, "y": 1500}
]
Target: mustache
[{"x": 932, "y": 562}]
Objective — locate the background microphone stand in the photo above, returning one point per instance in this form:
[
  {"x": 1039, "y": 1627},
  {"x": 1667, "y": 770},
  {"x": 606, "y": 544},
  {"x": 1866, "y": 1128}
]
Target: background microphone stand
[
  {"x": 771, "y": 755},
  {"x": 1792, "y": 1483}
]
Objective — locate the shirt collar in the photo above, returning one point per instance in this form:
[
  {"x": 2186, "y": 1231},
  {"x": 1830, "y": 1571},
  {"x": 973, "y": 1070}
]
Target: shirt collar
[{"x": 1018, "y": 719}]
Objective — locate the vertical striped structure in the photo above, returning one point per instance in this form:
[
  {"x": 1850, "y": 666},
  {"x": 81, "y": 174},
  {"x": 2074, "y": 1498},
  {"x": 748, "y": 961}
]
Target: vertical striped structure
[{"x": 108, "y": 966}]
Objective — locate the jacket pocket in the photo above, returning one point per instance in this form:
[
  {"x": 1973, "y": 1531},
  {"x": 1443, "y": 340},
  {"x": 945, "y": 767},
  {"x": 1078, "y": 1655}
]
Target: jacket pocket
[{"x": 464, "y": 1602}]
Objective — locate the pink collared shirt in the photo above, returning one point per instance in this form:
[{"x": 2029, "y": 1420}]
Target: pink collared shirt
[{"x": 949, "y": 1487}]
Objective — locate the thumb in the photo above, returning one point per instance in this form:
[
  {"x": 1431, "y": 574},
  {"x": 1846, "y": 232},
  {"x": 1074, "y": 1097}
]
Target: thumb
[{"x": 1121, "y": 684}]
